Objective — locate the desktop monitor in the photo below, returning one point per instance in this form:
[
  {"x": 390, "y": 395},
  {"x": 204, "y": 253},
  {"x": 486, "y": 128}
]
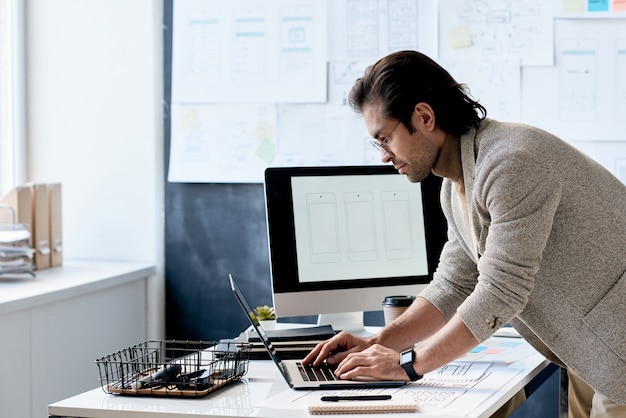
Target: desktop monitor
[{"x": 343, "y": 238}]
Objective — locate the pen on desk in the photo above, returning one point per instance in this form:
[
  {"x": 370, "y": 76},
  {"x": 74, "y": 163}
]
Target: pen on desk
[{"x": 356, "y": 398}]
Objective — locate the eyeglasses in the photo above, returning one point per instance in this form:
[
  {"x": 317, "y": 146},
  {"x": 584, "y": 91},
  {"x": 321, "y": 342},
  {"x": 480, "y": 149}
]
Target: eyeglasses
[{"x": 382, "y": 145}]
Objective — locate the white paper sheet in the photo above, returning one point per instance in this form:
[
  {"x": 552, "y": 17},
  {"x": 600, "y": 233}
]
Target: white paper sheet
[
  {"x": 470, "y": 29},
  {"x": 247, "y": 51},
  {"x": 222, "y": 143}
]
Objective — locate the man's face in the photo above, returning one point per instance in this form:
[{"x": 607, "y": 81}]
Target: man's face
[{"x": 411, "y": 154}]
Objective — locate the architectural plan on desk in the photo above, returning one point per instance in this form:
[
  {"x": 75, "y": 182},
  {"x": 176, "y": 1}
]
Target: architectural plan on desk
[
  {"x": 433, "y": 394},
  {"x": 499, "y": 350}
]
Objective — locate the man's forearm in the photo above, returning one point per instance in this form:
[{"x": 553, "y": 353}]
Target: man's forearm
[
  {"x": 417, "y": 323},
  {"x": 440, "y": 342},
  {"x": 446, "y": 345}
]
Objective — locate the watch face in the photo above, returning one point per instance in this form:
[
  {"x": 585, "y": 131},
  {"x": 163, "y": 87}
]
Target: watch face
[{"x": 406, "y": 357}]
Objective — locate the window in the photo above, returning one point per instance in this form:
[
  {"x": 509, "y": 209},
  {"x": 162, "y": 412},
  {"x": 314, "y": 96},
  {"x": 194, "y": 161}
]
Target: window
[{"x": 12, "y": 95}]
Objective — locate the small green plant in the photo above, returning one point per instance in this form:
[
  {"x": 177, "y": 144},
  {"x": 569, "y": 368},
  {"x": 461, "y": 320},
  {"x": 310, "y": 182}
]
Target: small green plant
[{"x": 265, "y": 313}]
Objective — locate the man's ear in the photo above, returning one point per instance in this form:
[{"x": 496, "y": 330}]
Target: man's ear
[{"x": 425, "y": 116}]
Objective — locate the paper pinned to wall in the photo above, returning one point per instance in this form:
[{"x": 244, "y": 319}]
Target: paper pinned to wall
[
  {"x": 370, "y": 29},
  {"x": 583, "y": 97},
  {"x": 498, "y": 30},
  {"x": 240, "y": 51},
  {"x": 222, "y": 143}
]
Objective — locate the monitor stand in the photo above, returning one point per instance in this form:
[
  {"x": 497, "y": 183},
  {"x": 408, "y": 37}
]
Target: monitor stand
[{"x": 351, "y": 322}]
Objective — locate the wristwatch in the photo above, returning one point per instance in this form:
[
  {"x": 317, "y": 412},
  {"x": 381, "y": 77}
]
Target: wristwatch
[{"x": 406, "y": 361}]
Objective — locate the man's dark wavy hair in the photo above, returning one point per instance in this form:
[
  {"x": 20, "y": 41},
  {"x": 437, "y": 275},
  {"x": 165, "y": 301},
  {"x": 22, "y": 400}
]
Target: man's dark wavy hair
[{"x": 401, "y": 80}]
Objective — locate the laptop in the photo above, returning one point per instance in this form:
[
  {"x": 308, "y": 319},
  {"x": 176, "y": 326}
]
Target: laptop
[{"x": 296, "y": 374}]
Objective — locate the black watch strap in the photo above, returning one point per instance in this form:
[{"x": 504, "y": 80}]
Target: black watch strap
[{"x": 406, "y": 361}]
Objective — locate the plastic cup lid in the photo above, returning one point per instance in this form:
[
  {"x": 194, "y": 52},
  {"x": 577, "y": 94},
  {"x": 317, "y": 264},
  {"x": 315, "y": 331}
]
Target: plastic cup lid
[{"x": 398, "y": 300}]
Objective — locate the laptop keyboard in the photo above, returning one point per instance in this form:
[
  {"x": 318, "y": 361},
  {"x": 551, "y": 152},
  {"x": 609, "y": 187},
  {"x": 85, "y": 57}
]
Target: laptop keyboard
[{"x": 317, "y": 374}]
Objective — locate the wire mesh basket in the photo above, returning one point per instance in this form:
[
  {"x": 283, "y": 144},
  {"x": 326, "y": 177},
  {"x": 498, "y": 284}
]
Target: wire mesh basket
[{"x": 173, "y": 367}]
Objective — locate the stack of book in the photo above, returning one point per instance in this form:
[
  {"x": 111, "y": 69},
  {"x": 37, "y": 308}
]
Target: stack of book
[
  {"x": 16, "y": 253},
  {"x": 291, "y": 343}
]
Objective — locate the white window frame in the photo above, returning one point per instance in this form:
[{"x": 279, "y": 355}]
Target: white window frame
[{"x": 12, "y": 94}]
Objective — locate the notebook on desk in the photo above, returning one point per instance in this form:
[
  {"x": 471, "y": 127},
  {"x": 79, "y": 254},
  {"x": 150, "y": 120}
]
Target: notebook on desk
[
  {"x": 318, "y": 333},
  {"x": 296, "y": 374},
  {"x": 289, "y": 343}
]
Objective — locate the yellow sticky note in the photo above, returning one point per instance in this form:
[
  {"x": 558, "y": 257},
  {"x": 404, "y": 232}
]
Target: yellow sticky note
[
  {"x": 188, "y": 118},
  {"x": 573, "y": 6},
  {"x": 460, "y": 37}
]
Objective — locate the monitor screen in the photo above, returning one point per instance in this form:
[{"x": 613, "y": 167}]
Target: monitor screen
[{"x": 343, "y": 238}]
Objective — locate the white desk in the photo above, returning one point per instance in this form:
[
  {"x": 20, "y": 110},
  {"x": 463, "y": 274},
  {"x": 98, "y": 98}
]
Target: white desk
[{"x": 248, "y": 398}]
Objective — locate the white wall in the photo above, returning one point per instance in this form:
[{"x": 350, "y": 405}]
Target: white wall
[{"x": 94, "y": 122}]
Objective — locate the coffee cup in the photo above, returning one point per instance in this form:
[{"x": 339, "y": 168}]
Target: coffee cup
[{"x": 394, "y": 306}]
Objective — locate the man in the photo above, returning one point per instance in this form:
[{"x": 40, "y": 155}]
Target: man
[{"x": 537, "y": 238}]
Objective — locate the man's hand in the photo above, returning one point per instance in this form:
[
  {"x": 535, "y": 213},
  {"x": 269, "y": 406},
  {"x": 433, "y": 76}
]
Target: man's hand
[
  {"x": 376, "y": 362},
  {"x": 334, "y": 350},
  {"x": 357, "y": 358}
]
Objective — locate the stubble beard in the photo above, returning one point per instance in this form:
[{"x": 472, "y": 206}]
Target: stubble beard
[{"x": 420, "y": 164}]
